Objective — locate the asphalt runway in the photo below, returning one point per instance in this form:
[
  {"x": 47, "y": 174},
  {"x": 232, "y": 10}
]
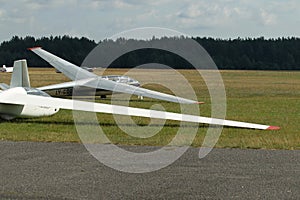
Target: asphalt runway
[{"x": 67, "y": 171}]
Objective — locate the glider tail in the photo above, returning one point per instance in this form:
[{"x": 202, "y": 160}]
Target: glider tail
[{"x": 20, "y": 77}]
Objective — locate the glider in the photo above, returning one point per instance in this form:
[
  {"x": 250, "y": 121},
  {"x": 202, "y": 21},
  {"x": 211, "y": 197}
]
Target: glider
[
  {"x": 20, "y": 100},
  {"x": 89, "y": 81},
  {"x": 7, "y": 69}
]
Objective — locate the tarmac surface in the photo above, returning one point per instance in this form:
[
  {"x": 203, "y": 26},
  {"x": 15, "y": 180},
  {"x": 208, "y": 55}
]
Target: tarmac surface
[{"x": 67, "y": 171}]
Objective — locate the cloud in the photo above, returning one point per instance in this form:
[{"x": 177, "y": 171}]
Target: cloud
[
  {"x": 267, "y": 18},
  {"x": 232, "y": 13},
  {"x": 122, "y": 4},
  {"x": 208, "y": 13},
  {"x": 108, "y": 4},
  {"x": 126, "y": 4},
  {"x": 102, "y": 18},
  {"x": 2, "y": 14},
  {"x": 147, "y": 3},
  {"x": 42, "y": 5}
]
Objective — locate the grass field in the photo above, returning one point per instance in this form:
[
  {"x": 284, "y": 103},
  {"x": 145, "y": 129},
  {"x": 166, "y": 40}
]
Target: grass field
[{"x": 266, "y": 97}]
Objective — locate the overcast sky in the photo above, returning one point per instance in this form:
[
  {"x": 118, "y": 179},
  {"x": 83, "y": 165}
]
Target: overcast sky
[{"x": 100, "y": 19}]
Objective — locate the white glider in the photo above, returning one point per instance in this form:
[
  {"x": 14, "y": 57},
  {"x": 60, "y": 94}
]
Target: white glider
[
  {"x": 20, "y": 100},
  {"x": 86, "y": 79},
  {"x": 7, "y": 69}
]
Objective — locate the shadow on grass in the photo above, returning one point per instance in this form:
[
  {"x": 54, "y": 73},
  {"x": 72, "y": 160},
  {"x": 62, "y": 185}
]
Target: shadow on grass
[
  {"x": 29, "y": 121},
  {"x": 110, "y": 100},
  {"x": 111, "y": 124}
]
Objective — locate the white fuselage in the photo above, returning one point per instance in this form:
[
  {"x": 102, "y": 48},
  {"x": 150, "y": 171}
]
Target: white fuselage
[{"x": 10, "y": 111}]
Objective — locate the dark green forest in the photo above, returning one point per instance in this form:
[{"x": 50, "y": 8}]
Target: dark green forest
[
  {"x": 240, "y": 53},
  {"x": 71, "y": 49}
]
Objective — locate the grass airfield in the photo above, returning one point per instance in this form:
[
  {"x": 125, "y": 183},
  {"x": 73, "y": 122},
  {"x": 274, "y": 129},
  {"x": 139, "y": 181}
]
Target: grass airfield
[{"x": 265, "y": 97}]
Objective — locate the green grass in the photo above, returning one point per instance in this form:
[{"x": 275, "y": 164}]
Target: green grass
[{"x": 265, "y": 97}]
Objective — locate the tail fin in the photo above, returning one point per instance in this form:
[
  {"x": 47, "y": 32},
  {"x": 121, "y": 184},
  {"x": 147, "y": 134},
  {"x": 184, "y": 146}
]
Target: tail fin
[
  {"x": 20, "y": 76},
  {"x": 4, "y": 66}
]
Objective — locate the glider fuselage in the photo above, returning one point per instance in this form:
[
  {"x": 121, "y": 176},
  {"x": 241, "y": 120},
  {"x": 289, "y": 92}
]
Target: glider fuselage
[
  {"x": 11, "y": 111},
  {"x": 88, "y": 91}
]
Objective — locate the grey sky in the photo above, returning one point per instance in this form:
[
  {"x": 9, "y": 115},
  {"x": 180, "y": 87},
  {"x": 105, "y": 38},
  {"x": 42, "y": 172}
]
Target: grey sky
[{"x": 99, "y": 19}]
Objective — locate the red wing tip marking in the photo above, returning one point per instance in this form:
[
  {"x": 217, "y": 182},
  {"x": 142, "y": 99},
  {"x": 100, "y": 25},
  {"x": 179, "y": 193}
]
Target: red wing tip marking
[
  {"x": 273, "y": 128},
  {"x": 32, "y": 48},
  {"x": 199, "y": 102}
]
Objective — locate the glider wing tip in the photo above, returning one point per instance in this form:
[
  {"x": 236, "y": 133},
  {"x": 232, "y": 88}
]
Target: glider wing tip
[
  {"x": 33, "y": 48},
  {"x": 199, "y": 102},
  {"x": 273, "y": 128}
]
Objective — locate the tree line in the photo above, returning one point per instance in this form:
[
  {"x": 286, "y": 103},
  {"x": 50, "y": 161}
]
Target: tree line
[
  {"x": 70, "y": 48},
  {"x": 240, "y": 53}
]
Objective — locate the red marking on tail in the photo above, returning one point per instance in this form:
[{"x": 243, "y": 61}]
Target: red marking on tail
[{"x": 32, "y": 48}]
